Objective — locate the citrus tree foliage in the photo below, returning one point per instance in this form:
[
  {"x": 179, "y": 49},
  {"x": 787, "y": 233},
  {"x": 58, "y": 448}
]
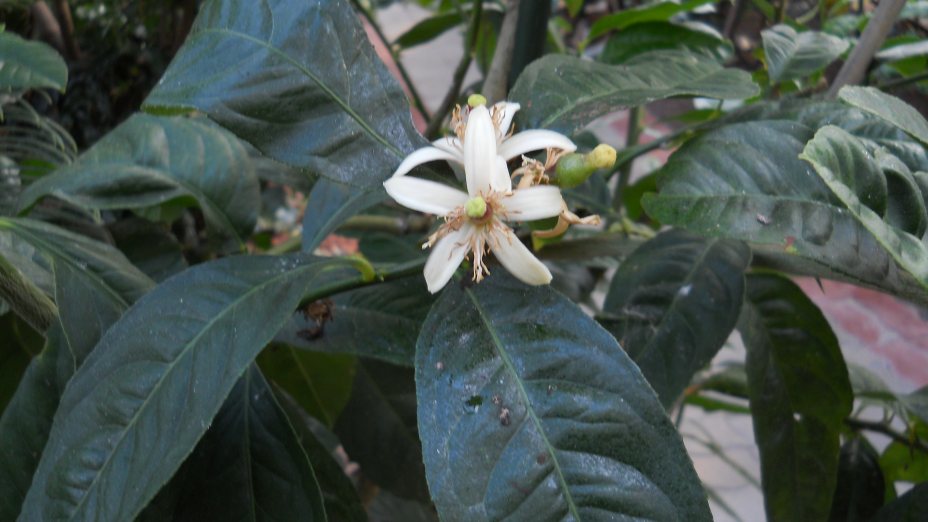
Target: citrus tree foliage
[{"x": 216, "y": 311}]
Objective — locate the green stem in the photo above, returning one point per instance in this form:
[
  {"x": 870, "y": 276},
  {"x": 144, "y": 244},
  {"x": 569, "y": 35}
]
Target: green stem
[
  {"x": 473, "y": 30},
  {"x": 625, "y": 170},
  {"x": 416, "y": 99},
  {"x": 381, "y": 275},
  {"x": 26, "y": 299},
  {"x": 900, "y": 82},
  {"x": 879, "y": 427}
]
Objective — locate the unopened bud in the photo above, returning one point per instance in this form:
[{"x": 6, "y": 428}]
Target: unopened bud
[
  {"x": 475, "y": 100},
  {"x": 574, "y": 168}
]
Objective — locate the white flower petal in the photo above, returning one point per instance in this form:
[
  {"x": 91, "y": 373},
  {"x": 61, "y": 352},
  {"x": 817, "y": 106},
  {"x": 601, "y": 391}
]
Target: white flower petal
[
  {"x": 446, "y": 257},
  {"x": 520, "y": 262},
  {"x": 424, "y": 195},
  {"x": 529, "y": 204},
  {"x": 479, "y": 151},
  {"x": 510, "y": 109},
  {"x": 538, "y": 139},
  {"x": 452, "y": 145},
  {"x": 425, "y": 155},
  {"x": 501, "y": 181}
]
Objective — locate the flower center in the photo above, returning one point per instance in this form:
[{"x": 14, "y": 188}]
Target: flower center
[{"x": 476, "y": 208}]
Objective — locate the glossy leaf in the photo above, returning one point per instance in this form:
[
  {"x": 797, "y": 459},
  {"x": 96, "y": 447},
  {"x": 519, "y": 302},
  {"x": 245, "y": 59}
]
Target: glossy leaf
[
  {"x": 859, "y": 492},
  {"x": 800, "y": 395},
  {"x": 330, "y": 204},
  {"x": 157, "y": 378},
  {"x": 149, "y": 161},
  {"x": 249, "y": 465},
  {"x": 565, "y": 93},
  {"x": 26, "y": 64},
  {"x": 792, "y": 56},
  {"x": 827, "y": 152},
  {"x": 258, "y": 69},
  {"x": 320, "y": 383},
  {"x": 378, "y": 429},
  {"x": 87, "y": 307},
  {"x": 888, "y": 107},
  {"x": 745, "y": 181},
  {"x": 381, "y": 322},
  {"x": 649, "y": 36},
  {"x": 528, "y": 409},
  {"x": 658, "y": 11},
  {"x": 672, "y": 304},
  {"x": 910, "y": 507}
]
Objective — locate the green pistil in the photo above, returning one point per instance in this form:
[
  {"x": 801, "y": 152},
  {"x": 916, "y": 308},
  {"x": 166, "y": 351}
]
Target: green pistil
[{"x": 475, "y": 208}]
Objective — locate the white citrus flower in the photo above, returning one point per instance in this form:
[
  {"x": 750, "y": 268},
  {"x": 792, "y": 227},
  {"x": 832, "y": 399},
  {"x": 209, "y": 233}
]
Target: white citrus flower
[{"x": 475, "y": 221}]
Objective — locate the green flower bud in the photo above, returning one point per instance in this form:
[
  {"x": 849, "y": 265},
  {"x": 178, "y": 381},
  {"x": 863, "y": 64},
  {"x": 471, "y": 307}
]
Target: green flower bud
[
  {"x": 476, "y": 99},
  {"x": 574, "y": 168}
]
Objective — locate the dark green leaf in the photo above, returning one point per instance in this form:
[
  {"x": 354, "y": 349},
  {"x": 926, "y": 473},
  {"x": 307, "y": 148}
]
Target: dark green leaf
[
  {"x": 23, "y": 297},
  {"x": 649, "y": 36},
  {"x": 249, "y": 465},
  {"x": 26, "y": 64},
  {"x": 745, "y": 181},
  {"x": 157, "y": 378},
  {"x": 429, "y": 29},
  {"x": 330, "y": 204},
  {"x": 910, "y": 507},
  {"x": 673, "y": 303},
  {"x": 319, "y": 382},
  {"x": 381, "y": 322},
  {"x": 149, "y": 161},
  {"x": 859, "y": 493},
  {"x": 298, "y": 80},
  {"x": 888, "y": 107},
  {"x": 378, "y": 429},
  {"x": 828, "y": 154},
  {"x": 21, "y": 343},
  {"x": 88, "y": 304},
  {"x": 528, "y": 409},
  {"x": 792, "y": 56},
  {"x": 659, "y": 11},
  {"x": 905, "y": 203},
  {"x": 565, "y": 93},
  {"x": 800, "y": 394},
  {"x": 149, "y": 246}
]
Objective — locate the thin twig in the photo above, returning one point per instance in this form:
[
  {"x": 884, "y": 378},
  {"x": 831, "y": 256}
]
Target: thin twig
[
  {"x": 416, "y": 99},
  {"x": 855, "y": 68},
  {"x": 901, "y": 82},
  {"x": 495, "y": 86},
  {"x": 879, "y": 427},
  {"x": 434, "y": 126}
]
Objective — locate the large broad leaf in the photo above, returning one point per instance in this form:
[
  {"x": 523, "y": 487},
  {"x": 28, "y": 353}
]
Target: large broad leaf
[
  {"x": 745, "y": 181},
  {"x": 249, "y": 465},
  {"x": 21, "y": 344},
  {"x": 910, "y": 507},
  {"x": 792, "y": 56},
  {"x": 146, "y": 394},
  {"x": 800, "y": 395},
  {"x": 319, "y": 382},
  {"x": 658, "y": 11},
  {"x": 565, "y": 93},
  {"x": 298, "y": 80},
  {"x": 87, "y": 307},
  {"x": 889, "y": 108},
  {"x": 148, "y": 161},
  {"x": 331, "y": 203},
  {"x": 528, "y": 409},
  {"x": 28, "y": 65},
  {"x": 378, "y": 429},
  {"x": 672, "y": 304},
  {"x": 860, "y": 488},
  {"x": 381, "y": 322},
  {"x": 838, "y": 159},
  {"x": 645, "y": 37}
]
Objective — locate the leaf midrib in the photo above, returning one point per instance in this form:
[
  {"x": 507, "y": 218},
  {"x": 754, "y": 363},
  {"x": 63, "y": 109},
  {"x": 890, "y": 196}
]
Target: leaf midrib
[
  {"x": 309, "y": 74},
  {"x": 504, "y": 355},
  {"x": 173, "y": 364}
]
